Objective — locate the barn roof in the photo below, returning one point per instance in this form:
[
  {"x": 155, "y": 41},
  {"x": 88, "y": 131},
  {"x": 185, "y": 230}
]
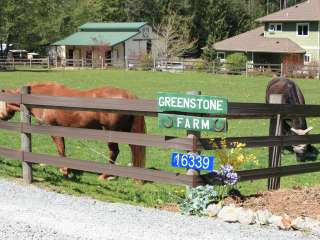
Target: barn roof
[
  {"x": 305, "y": 11},
  {"x": 112, "y": 26},
  {"x": 105, "y": 33},
  {"x": 254, "y": 41},
  {"x": 95, "y": 38}
]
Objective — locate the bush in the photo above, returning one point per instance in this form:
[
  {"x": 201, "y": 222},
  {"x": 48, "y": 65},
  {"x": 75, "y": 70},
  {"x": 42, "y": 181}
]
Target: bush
[
  {"x": 197, "y": 200},
  {"x": 146, "y": 62},
  {"x": 236, "y": 61}
]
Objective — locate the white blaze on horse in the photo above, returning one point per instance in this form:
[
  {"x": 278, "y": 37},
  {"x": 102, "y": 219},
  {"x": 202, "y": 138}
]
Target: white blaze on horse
[
  {"x": 83, "y": 119},
  {"x": 291, "y": 94}
]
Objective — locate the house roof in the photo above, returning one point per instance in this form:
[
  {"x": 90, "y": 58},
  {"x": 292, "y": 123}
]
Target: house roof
[
  {"x": 306, "y": 11},
  {"x": 254, "y": 41},
  {"x": 112, "y": 26},
  {"x": 95, "y": 38}
]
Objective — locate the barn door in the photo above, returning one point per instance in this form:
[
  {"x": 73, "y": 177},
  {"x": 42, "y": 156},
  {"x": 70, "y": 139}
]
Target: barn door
[{"x": 291, "y": 62}]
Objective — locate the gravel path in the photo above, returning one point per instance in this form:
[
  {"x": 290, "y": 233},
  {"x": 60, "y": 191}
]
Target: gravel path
[{"x": 27, "y": 212}]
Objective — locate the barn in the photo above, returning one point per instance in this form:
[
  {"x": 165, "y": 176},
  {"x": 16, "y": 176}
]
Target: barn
[{"x": 111, "y": 43}]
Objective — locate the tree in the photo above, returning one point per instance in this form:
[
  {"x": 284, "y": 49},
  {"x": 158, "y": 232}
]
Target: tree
[
  {"x": 209, "y": 53},
  {"x": 172, "y": 37}
]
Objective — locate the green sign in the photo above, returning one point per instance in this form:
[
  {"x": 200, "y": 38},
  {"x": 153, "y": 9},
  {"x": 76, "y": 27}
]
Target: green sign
[
  {"x": 174, "y": 102},
  {"x": 192, "y": 123}
]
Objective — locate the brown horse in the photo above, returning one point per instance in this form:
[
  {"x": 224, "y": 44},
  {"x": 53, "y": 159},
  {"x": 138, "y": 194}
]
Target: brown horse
[{"x": 83, "y": 119}]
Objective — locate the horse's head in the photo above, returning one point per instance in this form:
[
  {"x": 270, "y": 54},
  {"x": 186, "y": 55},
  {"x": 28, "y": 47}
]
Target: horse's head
[
  {"x": 304, "y": 151},
  {"x": 7, "y": 110}
]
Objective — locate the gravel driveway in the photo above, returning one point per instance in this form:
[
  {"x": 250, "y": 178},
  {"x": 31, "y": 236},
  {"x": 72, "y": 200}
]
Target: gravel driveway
[{"x": 27, "y": 212}]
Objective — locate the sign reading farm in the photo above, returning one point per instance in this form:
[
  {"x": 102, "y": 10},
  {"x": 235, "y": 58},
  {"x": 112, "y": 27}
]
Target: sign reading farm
[
  {"x": 192, "y": 123},
  {"x": 175, "y": 102}
]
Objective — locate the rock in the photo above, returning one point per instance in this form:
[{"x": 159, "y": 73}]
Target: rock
[
  {"x": 228, "y": 214},
  {"x": 306, "y": 224},
  {"x": 275, "y": 220},
  {"x": 192, "y": 172},
  {"x": 245, "y": 216},
  {"x": 214, "y": 209},
  {"x": 286, "y": 222},
  {"x": 262, "y": 217}
]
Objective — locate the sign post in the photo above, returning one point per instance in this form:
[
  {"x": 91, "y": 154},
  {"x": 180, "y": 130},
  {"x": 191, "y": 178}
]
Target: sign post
[{"x": 198, "y": 113}]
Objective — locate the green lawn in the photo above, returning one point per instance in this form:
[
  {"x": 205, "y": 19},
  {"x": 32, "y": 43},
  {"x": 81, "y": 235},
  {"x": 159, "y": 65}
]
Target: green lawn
[{"x": 146, "y": 85}]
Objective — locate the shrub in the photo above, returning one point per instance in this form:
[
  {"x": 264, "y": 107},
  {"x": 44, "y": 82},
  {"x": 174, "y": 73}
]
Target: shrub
[
  {"x": 236, "y": 61},
  {"x": 197, "y": 200},
  {"x": 146, "y": 62}
]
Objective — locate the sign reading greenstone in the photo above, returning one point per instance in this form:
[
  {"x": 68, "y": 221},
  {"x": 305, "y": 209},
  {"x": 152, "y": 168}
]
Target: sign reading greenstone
[
  {"x": 192, "y": 123},
  {"x": 175, "y": 102}
]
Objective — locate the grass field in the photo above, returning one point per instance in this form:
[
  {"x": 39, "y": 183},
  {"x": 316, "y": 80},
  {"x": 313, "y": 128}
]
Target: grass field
[{"x": 146, "y": 85}]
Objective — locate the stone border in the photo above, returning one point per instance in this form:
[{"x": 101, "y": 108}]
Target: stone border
[{"x": 232, "y": 214}]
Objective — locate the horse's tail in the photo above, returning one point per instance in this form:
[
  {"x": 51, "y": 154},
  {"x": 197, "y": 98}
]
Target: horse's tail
[{"x": 138, "y": 152}]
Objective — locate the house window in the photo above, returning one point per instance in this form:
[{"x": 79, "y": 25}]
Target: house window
[
  {"x": 275, "y": 27},
  {"x": 307, "y": 58},
  {"x": 303, "y": 29},
  {"x": 221, "y": 56}
]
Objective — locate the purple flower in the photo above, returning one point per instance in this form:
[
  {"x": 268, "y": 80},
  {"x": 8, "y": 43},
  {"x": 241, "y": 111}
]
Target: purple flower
[{"x": 228, "y": 175}]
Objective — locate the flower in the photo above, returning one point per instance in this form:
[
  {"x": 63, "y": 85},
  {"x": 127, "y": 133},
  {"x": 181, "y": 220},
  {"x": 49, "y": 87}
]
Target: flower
[
  {"x": 236, "y": 156},
  {"x": 228, "y": 175}
]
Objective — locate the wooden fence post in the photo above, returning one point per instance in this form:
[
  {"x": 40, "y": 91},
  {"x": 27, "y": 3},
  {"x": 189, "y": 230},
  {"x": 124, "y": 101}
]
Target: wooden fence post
[
  {"x": 275, "y": 129},
  {"x": 281, "y": 70},
  {"x": 195, "y": 135},
  {"x": 25, "y": 117}
]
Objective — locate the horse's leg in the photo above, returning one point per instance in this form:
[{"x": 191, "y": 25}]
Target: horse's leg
[
  {"x": 113, "y": 154},
  {"x": 59, "y": 141}
]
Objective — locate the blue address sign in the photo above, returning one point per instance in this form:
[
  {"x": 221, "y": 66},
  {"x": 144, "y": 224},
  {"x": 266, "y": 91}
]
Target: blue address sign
[{"x": 192, "y": 161}]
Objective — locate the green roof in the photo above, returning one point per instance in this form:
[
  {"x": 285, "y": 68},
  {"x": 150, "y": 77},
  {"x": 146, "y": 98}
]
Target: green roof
[
  {"x": 112, "y": 26},
  {"x": 95, "y": 38}
]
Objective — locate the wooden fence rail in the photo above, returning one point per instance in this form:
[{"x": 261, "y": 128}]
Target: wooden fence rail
[{"x": 149, "y": 108}]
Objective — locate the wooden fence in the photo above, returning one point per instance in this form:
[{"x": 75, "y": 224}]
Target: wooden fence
[
  {"x": 169, "y": 65},
  {"x": 149, "y": 108}
]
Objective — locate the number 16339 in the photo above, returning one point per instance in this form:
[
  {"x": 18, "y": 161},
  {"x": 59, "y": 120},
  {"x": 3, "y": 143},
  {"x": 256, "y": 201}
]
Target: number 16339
[{"x": 192, "y": 161}]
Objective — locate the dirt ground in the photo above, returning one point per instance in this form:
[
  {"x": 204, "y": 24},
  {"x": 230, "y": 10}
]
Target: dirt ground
[{"x": 293, "y": 202}]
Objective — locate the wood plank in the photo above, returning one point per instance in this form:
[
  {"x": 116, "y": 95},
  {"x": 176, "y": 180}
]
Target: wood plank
[
  {"x": 25, "y": 118},
  {"x": 134, "y": 106},
  {"x": 116, "y": 170},
  {"x": 261, "y": 141},
  {"x": 11, "y": 98},
  {"x": 149, "y": 107},
  {"x": 263, "y": 173},
  {"x": 11, "y": 153},
  {"x": 139, "y": 139},
  {"x": 275, "y": 129},
  {"x": 10, "y": 126}
]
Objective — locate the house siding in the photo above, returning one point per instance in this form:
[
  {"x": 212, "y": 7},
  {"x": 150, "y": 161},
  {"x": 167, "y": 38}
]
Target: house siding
[{"x": 289, "y": 30}]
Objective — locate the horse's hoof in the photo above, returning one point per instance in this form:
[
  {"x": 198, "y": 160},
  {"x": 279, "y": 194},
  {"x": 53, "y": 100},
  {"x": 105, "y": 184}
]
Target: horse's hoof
[
  {"x": 106, "y": 177},
  {"x": 64, "y": 171}
]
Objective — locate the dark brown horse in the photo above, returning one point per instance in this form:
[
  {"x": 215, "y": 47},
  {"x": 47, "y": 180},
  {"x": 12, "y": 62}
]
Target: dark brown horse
[
  {"x": 83, "y": 119},
  {"x": 291, "y": 94}
]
